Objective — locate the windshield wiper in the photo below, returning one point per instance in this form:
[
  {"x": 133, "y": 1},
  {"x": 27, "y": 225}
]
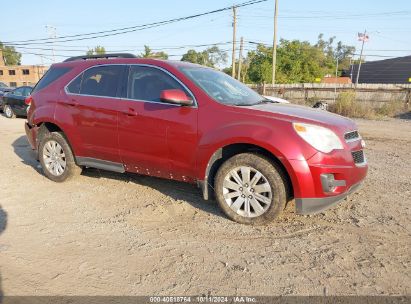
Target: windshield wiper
[{"x": 266, "y": 100}]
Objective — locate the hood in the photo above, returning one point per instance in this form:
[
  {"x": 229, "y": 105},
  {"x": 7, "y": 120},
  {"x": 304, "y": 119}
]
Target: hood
[{"x": 297, "y": 113}]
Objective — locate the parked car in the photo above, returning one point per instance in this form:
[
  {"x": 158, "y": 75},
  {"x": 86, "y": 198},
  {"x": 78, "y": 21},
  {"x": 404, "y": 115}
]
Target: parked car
[
  {"x": 3, "y": 85},
  {"x": 4, "y": 88},
  {"x": 1, "y": 100},
  {"x": 15, "y": 102},
  {"x": 190, "y": 123}
]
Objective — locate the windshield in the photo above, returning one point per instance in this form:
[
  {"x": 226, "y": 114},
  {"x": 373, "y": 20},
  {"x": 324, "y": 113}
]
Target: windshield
[{"x": 221, "y": 87}]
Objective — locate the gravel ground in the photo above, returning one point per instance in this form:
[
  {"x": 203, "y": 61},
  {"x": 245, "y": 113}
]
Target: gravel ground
[{"x": 111, "y": 234}]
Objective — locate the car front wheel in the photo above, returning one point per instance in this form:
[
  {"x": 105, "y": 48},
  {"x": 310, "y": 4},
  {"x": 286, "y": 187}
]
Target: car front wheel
[
  {"x": 56, "y": 157},
  {"x": 250, "y": 189}
]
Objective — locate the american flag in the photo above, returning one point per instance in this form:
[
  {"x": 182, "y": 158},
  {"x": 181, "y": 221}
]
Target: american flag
[{"x": 363, "y": 37}]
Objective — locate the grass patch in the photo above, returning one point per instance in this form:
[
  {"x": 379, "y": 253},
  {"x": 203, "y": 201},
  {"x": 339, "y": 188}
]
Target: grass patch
[{"x": 347, "y": 105}]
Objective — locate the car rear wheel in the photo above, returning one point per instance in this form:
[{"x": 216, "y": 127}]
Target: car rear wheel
[
  {"x": 250, "y": 189},
  {"x": 8, "y": 111},
  {"x": 56, "y": 157}
]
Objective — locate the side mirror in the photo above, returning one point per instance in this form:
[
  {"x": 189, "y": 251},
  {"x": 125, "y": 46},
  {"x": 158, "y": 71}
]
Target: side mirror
[{"x": 176, "y": 96}]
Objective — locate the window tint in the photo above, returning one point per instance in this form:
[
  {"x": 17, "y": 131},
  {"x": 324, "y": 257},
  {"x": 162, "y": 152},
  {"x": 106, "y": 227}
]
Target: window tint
[
  {"x": 74, "y": 86},
  {"x": 18, "y": 92},
  {"x": 146, "y": 83},
  {"x": 51, "y": 75},
  {"x": 101, "y": 80},
  {"x": 27, "y": 91}
]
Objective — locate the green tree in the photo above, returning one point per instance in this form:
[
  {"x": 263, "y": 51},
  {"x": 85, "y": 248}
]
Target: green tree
[
  {"x": 148, "y": 53},
  {"x": 298, "y": 61},
  {"x": 98, "y": 50},
  {"x": 10, "y": 55},
  {"x": 344, "y": 53},
  {"x": 210, "y": 57},
  {"x": 245, "y": 65}
]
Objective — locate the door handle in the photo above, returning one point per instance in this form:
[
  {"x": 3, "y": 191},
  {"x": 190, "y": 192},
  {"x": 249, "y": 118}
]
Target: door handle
[
  {"x": 130, "y": 112},
  {"x": 72, "y": 103}
]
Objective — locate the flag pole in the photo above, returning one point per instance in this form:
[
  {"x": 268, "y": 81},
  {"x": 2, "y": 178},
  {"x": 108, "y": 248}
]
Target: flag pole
[{"x": 359, "y": 65}]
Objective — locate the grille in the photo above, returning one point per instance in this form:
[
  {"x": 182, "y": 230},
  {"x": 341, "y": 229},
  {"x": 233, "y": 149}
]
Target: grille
[
  {"x": 350, "y": 136},
  {"x": 358, "y": 156}
]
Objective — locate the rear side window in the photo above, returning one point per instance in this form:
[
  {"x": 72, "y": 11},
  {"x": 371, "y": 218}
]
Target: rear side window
[
  {"x": 51, "y": 75},
  {"x": 27, "y": 91},
  {"x": 18, "y": 92},
  {"x": 98, "y": 81},
  {"x": 74, "y": 86}
]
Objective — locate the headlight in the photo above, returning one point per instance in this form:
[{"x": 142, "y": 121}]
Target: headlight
[{"x": 320, "y": 138}]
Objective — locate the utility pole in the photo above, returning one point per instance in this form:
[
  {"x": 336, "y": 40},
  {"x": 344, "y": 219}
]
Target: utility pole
[
  {"x": 336, "y": 78},
  {"x": 52, "y": 31},
  {"x": 275, "y": 41},
  {"x": 234, "y": 39},
  {"x": 240, "y": 59},
  {"x": 363, "y": 38},
  {"x": 351, "y": 64}
]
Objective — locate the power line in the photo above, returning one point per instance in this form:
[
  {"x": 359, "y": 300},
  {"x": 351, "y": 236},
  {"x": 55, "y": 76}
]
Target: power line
[
  {"x": 176, "y": 47},
  {"x": 335, "y": 16},
  {"x": 120, "y": 31}
]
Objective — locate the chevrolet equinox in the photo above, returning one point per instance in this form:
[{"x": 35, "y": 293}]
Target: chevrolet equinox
[{"x": 190, "y": 123}]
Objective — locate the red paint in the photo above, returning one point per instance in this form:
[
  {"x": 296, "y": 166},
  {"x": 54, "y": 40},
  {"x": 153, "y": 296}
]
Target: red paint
[{"x": 177, "y": 142}]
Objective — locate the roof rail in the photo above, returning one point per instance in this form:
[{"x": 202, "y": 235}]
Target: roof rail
[{"x": 102, "y": 56}]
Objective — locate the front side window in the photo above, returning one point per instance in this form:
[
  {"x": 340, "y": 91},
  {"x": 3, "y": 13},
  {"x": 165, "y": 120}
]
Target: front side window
[
  {"x": 98, "y": 81},
  {"x": 221, "y": 87},
  {"x": 147, "y": 83}
]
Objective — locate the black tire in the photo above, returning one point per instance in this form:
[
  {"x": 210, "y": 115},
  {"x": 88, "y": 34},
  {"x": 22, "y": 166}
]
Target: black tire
[
  {"x": 8, "y": 112},
  {"x": 71, "y": 169},
  {"x": 272, "y": 174}
]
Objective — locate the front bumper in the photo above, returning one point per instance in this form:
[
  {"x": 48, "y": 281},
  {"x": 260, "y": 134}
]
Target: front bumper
[
  {"x": 315, "y": 205},
  {"x": 325, "y": 179}
]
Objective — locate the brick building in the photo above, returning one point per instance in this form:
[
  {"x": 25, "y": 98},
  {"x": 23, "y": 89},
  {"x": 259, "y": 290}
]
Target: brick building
[{"x": 19, "y": 75}]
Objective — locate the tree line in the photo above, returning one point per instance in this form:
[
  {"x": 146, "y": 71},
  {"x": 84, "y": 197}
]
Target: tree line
[{"x": 297, "y": 61}]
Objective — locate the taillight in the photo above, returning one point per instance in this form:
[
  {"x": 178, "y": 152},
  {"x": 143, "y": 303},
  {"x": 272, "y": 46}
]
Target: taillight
[{"x": 28, "y": 100}]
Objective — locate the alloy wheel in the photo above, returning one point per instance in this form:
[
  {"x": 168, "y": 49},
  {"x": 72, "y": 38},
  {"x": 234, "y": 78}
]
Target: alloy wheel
[
  {"x": 8, "y": 111},
  {"x": 247, "y": 191},
  {"x": 54, "y": 158}
]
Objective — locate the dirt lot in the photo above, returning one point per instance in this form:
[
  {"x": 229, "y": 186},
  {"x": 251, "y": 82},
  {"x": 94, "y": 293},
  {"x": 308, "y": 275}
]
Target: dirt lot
[{"x": 113, "y": 234}]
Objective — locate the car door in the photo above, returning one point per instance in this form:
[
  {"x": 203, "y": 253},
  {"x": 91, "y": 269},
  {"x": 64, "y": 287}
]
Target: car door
[
  {"x": 92, "y": 107},
  {"x": 156, "y": 138},
  {"x": 15, "y": 99}
]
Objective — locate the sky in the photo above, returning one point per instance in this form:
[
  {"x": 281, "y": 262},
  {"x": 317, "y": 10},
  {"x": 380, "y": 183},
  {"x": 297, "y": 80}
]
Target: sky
[{"x": 387, "y": 22}]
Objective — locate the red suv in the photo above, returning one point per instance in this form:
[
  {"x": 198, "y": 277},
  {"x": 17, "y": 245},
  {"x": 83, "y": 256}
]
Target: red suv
[{"x": 190, "y": 123}]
